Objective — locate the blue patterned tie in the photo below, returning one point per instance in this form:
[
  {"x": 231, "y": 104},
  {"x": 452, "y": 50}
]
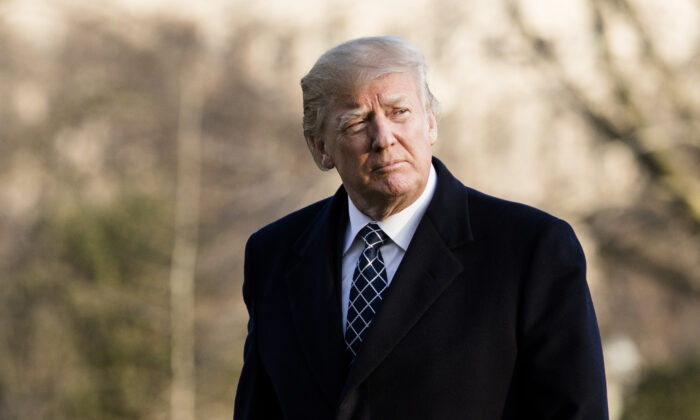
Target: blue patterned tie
[{"x": 369, "y": 283}]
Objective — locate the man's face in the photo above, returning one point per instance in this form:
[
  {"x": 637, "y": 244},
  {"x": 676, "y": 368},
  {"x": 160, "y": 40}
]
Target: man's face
[{"x": 379, "y": 140}]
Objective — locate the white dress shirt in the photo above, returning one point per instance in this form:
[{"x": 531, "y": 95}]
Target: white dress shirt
[{"x": 399, "y": 227}]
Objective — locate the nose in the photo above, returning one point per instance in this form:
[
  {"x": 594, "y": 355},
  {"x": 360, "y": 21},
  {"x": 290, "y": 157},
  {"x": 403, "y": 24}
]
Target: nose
[{"x": 381, "y": 132}]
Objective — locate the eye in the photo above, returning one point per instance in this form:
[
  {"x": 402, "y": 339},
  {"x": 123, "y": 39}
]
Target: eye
[
  {"x": 401, "y": 113},
  {"x": 355, "y": 127}
]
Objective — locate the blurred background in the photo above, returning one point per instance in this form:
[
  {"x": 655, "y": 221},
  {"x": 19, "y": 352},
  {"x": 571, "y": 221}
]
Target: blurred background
[{"x": 142, "y": 142}]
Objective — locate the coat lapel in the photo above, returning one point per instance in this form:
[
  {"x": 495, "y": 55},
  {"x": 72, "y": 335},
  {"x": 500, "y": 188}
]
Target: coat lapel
[
  {"x": 426, "y": 270},
  {"x": 313, "y": 287}
]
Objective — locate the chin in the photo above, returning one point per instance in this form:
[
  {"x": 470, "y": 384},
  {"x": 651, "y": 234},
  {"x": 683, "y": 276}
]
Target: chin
[{"x": 397, "y": 186}]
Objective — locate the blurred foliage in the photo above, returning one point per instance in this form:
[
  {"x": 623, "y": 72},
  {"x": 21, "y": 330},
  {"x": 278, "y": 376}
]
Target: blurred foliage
[
  {"x": 84, "y": 303},
  {"x": 89, "y": 314},
  {"x": 668, "y": 392},
  {"x": 119, "y": 322}
]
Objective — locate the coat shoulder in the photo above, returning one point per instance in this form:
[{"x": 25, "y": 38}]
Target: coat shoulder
[
  {"x": 291, "y": 226},
  {"x": 493, "y": 214}
]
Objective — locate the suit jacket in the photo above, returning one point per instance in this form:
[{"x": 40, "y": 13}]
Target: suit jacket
[{"x": 487, "y": 317}]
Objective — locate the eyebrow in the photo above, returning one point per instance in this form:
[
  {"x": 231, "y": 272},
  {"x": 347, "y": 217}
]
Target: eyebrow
[
  {"x": 395, "y": 100},
  {"x": 362, "y": 111}
]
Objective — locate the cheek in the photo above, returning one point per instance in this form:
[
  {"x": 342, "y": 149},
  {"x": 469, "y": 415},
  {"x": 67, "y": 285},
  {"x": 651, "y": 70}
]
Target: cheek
[
  {"x": 423, "y": 140},
  {"x": 348, "y": 160},
  {"x": 355, "y": 150}
]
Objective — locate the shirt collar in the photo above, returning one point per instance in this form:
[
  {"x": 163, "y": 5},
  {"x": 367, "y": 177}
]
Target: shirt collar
[{"x": 399, "y": 227}]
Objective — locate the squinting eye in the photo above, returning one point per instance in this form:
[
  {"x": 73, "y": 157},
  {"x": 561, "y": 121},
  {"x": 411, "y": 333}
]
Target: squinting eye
[
  {"x": 401, "y": 111},
  {"x": 355, "y": 127}
]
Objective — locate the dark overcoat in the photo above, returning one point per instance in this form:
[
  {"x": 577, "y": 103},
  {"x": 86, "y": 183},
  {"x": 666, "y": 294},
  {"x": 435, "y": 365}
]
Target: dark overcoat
[{"x": 488, "y": 317}]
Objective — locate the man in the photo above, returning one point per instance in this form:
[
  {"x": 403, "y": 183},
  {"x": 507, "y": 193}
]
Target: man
[{"x": 407, "y": 295}]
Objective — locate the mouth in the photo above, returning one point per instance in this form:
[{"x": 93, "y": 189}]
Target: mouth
[{"x": 388, "y": 166}]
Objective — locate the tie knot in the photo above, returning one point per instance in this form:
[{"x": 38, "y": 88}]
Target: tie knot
[{"x": 373, "y": 235}]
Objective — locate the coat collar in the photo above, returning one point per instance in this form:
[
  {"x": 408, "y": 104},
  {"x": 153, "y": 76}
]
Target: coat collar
[{"x": 449, "y": 209}]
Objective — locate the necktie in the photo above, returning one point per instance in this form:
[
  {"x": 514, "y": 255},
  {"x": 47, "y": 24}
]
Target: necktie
[{"x": 369, "y": 283}]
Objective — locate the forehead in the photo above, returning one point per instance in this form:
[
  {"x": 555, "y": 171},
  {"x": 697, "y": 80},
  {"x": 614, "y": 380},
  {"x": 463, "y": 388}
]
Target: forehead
[{"x": 385, "y": 90}]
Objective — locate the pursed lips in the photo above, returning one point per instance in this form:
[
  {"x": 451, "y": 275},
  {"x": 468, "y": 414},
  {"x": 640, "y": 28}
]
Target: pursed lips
[{"x": 388, "y": 165}]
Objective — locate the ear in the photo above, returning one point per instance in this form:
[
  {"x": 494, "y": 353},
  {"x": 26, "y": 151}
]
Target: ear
[
  {"x": 321, "y": 152},
  {"x": 432, "y": 127}
]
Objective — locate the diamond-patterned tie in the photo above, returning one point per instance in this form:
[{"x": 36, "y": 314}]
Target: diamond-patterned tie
[{"x": 369, "y": 283}]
